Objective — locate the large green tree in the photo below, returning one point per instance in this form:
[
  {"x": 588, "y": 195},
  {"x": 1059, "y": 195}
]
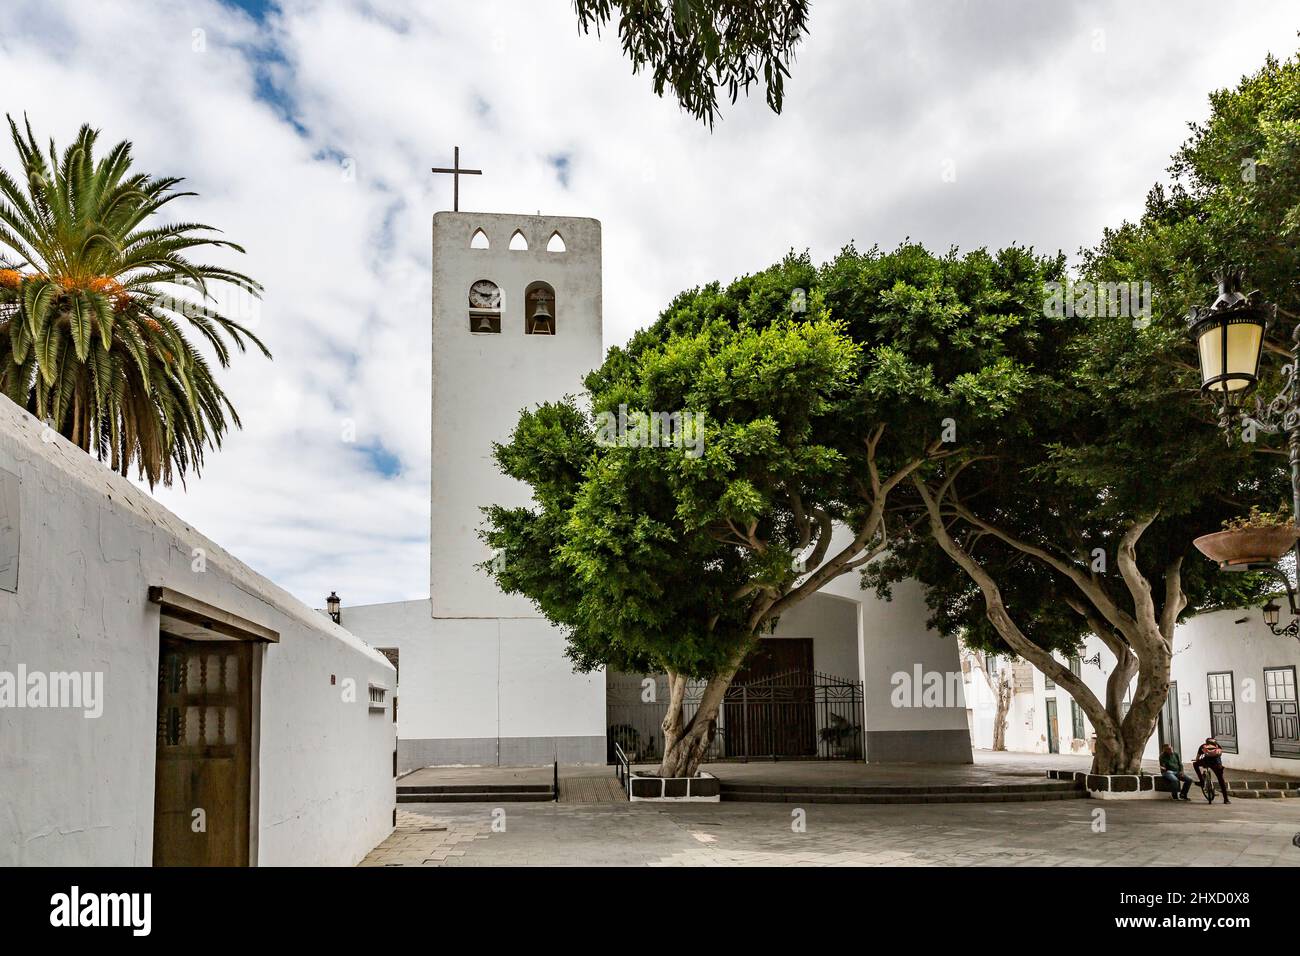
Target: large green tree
[
  {"x": 1079, "y": 519},
  {"x": 821, "y": 392},
  {"x": 96, "y": 295}
]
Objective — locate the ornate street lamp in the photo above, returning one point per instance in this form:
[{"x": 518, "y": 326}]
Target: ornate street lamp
[
  {"x": 333, "y": 605},
  {"x": 1229, "y": 336}
]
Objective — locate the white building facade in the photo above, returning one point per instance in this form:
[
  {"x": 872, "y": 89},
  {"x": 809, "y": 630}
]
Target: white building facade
[{"x": 1230, "y": 678}]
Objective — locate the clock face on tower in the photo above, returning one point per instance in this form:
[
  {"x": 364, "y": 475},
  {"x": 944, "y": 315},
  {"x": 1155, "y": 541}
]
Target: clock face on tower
[{"x": 485, "y": 294}]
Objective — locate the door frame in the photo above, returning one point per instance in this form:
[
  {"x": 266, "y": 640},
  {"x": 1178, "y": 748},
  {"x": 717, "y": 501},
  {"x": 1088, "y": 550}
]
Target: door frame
[
  {"x": 1292, "y": 753},
  {"x": 1231, "y": 702},
  {"x": 1169, "y": 729},
  {"x": 183, "y": 617}
]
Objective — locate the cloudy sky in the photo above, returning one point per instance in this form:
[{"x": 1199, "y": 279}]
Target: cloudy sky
[{"x": 309, "y": 126}]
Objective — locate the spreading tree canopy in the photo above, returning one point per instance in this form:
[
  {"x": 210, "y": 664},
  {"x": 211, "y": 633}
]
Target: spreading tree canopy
[
  {"x": 1080, "y": 517},
  {"x": 819, "y": 393}
]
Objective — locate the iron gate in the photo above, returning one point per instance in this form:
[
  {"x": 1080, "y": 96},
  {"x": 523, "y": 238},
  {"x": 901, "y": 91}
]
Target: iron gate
[{"x": 796, "y": 715}]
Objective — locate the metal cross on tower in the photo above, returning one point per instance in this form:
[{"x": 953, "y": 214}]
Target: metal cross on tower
[{"x": 456, "y": 172}]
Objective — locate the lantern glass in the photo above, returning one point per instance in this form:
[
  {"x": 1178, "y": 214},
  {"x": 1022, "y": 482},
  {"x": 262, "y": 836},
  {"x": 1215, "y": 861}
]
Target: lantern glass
[
  {"x": 332, "y": 603},
  {"x": 1229, "y": 355},
  {"x": 1271, "y": 612}
]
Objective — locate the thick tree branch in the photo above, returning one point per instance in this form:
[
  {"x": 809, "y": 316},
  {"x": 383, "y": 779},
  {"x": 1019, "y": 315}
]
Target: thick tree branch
[{"x": 1002, "y": 622}]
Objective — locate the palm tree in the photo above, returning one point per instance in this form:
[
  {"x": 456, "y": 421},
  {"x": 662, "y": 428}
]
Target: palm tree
[{"x": 94, "y": 308}]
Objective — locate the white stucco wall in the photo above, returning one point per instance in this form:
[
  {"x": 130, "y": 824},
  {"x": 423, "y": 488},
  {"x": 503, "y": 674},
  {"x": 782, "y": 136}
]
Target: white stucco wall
[
  {"x": 475, "y": 681},
  {"x": 893, "y": 640},
  {"x": 1204, "y": 644},
  {"x": 1209, "y": 643},
  {"x": 832, "y": 624},
  {"x": 79, "y": 791}
]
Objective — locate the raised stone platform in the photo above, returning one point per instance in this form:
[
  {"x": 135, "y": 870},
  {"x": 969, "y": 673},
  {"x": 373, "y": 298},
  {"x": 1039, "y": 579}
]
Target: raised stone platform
[
  {"x": 1146, "y": 786},
  {"x": 1006, "y": 780}
]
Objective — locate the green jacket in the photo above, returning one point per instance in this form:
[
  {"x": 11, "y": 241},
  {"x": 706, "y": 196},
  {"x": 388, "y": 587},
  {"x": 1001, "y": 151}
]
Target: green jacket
[{"x": 1171, "y": 761}]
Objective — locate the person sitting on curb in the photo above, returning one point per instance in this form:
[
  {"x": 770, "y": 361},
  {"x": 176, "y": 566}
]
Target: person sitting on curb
[
  {"x": 1210, "y": 755},
  {"x": 1171, "y": 768}
]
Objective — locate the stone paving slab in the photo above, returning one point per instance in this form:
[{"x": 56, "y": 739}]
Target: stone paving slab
[{"x": 1143, "y": 833}]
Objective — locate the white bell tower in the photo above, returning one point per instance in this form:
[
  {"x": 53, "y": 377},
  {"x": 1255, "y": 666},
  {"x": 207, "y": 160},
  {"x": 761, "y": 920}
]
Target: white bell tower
[{"x": 516, "y": 322}]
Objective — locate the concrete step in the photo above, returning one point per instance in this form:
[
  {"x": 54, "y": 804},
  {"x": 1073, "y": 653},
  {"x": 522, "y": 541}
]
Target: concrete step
[
  {"x": 898, "y": 795},
  {"x": 1235, "y": 793},
  {"x": 1286, "y": 786},
  {"x": 475, "y": 788},
  {"x": 885, "y": 790},
  {"x": 479, "y": 796}
]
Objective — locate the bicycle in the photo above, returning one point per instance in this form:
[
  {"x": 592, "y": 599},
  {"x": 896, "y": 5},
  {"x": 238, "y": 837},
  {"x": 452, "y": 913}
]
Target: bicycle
[{"x": 1206, "y": 782}]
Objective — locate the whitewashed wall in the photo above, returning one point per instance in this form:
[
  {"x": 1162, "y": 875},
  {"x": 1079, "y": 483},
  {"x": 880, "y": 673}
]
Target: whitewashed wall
[
  {"x": 1210, "y": 643},
  {"x": 832, "y": 624},
  {"x": 79, "y": 791},
  {"x": 485, "y": 690},
  {"x": 1204, "y": 644},
  {"x": 893, "y": 640},
  {"x": 481, "y": 381}
]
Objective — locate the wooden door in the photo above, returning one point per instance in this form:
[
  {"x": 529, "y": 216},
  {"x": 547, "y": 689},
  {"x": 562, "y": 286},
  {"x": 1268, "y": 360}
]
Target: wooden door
[
  {"x": 1053, "y": 732},
  {"x": 1283, "y": 714},
  {"x": 1223, "y": 710},
  {"x": 203, "y": 775}
]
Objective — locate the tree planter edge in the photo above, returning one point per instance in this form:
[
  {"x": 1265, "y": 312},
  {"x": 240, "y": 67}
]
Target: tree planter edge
[{"x": 702, "y": 788}]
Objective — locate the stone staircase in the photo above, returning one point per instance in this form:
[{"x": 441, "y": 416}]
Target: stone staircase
[
  {"x": 903, "y": 793},
  {"x": 476, "y": 793}
]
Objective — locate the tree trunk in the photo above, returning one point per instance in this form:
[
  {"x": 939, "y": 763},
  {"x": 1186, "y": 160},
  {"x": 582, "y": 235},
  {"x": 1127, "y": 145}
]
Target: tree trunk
[
  {"x": 1141, "y": 641},
  {"x": 1003, "y": 693},
  {"x": 686, "y": 742},
  {"x": 1119, "y": 748}
]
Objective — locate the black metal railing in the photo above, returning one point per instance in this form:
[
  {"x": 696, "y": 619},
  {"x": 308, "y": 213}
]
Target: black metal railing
[
  {"x": 623, "y": 769},
  {"x": 796, "y": 715}
]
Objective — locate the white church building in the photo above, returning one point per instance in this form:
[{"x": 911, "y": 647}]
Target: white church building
[{"x": 483, "y": 677}]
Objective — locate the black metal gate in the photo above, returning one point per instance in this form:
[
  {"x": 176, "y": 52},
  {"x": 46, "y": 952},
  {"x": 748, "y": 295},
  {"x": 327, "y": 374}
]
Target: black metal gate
[{"x": 796, "y": 715}]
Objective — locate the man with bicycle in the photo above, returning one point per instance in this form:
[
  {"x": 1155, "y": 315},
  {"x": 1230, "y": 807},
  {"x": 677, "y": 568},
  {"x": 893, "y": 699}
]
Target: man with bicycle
[{"x": 1210, "y": 755}]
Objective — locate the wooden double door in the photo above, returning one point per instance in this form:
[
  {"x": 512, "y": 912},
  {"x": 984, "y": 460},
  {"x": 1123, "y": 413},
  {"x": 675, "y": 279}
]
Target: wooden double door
[{"x": 203, "y": 774}]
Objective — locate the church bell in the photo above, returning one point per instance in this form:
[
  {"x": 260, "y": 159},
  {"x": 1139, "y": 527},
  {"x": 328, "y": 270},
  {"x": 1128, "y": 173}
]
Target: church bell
[{"x": 542, "y": 322}]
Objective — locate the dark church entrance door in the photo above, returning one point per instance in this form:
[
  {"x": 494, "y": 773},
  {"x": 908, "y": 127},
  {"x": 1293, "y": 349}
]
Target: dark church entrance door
[{"x": 774, "y": 712}]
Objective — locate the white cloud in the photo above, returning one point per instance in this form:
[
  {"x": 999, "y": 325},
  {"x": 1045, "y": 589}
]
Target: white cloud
[{"x": 1055, "y": 129}]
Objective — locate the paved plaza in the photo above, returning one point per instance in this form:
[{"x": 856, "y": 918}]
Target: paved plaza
[{"x": 601, "y": 832}]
